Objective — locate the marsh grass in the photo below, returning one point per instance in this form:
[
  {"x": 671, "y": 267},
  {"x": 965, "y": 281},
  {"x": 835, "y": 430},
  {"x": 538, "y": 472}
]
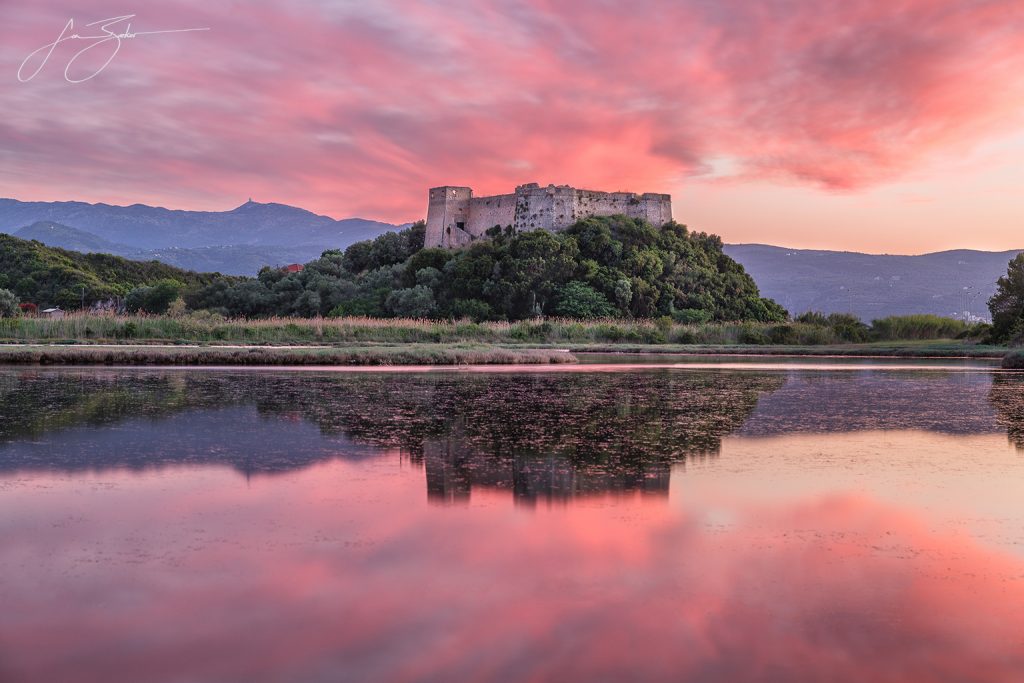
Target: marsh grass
[
  {"x": 413, "y": 354},
  {"x": 205, "y": 328},
  {"x": 214, "y": 329}
]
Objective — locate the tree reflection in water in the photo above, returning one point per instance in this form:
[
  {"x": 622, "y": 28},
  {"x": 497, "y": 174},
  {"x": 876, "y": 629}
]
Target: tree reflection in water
[{"x": 537, "y": 435}]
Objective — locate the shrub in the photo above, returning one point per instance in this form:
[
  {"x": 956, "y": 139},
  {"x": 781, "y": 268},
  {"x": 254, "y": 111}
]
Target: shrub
[
  {"x": 579, "y": 300},
  {"x": 691, "y": 316},
  {"x": 783, "y": 334},
  {"x": 752, "y": 335},
  {"x": 413, "y": 302},
  {"x": 1014, "y": 360},
  {"x": 920, "y": 326},
  {"x": 474, "y": 309},
  {"x": 8, "y": 304},
  {"x": 153, "y": 299}
]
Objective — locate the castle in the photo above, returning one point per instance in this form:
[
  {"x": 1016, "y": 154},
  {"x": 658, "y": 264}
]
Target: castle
[{"x": 455, "y": 217}]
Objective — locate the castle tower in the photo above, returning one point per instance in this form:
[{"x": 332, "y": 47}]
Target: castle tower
[{"x": 447, "y": 216}]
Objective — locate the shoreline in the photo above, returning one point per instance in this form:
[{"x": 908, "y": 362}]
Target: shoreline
[
  {"x": 145, "y": 355},
  {"x": 370, "y": 354}
]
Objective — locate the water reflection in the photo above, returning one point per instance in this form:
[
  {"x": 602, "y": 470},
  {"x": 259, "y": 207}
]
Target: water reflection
[
  {"x": 1007, "y": 397},
  {"x": 537, "y": 435},
  {"x": 334, "y": 574},
  {"x": 712, "y": 526}
]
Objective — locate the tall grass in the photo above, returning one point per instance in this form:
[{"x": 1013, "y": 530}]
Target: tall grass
[
  {"x": 919, "y": 326},
  {"x": 207, "y": 328},
  {"x": 411, "y": 354}
]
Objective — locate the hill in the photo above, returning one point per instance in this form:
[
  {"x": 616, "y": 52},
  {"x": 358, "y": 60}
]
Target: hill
[
  {"x": 875, "y": 285},
  {"x": 50, "y": 276},
  {"x": 240, "y": 259},
  {"x": 150, "y": 227},
  {"x": 65, "y": 237},
  {"x": 600, "y": 267}
]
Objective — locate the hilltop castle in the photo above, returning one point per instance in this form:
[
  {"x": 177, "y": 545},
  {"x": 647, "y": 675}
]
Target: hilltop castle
[{"x": 455, "y": 217}]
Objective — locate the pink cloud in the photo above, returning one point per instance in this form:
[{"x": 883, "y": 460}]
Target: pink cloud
[{"x": 350, "y": 109}]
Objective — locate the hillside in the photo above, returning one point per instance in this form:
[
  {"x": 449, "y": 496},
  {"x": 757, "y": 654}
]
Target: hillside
[
  {"x": 57, "y": 277},
  {"x": 872, "y": 285},
  {"x": 228, "y": 259},
  {"x": 600, "y": 267},
  {"x": 150, "y": 227},
  {"x": 65, "y": 237}
]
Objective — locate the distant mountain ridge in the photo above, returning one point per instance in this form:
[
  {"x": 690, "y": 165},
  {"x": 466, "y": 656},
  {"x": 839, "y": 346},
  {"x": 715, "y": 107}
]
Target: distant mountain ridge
[
  {"x": 235, "y": 242},
  {"x": 229, "y": 260},
  {"x": 875, "y": 285},
  {"x": 150, "y": 227},
  {"x": 253, "y": 235}
]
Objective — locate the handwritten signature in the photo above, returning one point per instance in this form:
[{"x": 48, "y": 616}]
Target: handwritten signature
[{"x": 109, "y": 36}]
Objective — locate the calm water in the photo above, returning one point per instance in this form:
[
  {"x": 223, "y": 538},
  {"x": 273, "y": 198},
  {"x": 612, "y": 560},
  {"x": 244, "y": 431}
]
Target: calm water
[{"x": 769, "y": 522}]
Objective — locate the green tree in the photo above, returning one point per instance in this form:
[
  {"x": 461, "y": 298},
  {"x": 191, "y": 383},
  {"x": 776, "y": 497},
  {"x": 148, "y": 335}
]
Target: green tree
[
  {"x": 8, "y": 304},
  {"x": 1007, "y": 304},
  {"x": 579, "y": 300},
  {"x": 413, "y": 302},
  {"x": 153, "y": 299}
]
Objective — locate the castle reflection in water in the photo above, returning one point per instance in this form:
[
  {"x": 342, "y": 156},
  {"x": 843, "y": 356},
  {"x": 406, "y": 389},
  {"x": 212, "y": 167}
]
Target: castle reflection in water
[{"x": 540, "y": 436}]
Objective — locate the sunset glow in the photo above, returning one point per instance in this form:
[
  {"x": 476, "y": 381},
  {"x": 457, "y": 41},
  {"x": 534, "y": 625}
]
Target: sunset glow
[{"x": 855, "y": 124}]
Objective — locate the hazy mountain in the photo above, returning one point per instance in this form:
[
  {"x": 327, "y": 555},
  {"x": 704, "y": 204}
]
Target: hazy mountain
[
  {"x": 230, "y": 260},
  {"x": 241, "y": 241},
  {"x": 64, "y": 236},
  {"x": 236, "y": 242},
  {"x": 874, "y": 286},
  {"x": 150, "y": 227}
]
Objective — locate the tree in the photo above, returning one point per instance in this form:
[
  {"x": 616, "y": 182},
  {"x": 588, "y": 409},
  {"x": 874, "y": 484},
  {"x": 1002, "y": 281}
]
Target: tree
[
  {"x": 414, "y": 302},
  {"x": 155, "y": 299},
  {"x": 579, "y": 300},
  {"x": 1007, "y": 304},
  {"x": 8, "y": 304}
]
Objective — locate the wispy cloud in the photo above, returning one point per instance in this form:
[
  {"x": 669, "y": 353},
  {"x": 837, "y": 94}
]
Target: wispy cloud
[{"x": 354, "y": 109}]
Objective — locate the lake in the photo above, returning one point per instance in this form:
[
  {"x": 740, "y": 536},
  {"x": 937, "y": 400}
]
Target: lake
[{"x": 659, "y": 519}]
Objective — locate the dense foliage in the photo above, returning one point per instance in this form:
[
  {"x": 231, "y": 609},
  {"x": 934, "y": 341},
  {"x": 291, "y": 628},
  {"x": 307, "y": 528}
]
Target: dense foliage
[
  {"x": 8, "y": 303},
  {"x": 48, "y": 276},
  {"x": 599, "y": 267},
  {"x": 1007, "y": 304}
]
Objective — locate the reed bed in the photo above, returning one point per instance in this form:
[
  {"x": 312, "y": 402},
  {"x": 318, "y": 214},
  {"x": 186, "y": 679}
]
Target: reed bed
[
  {"x": 414, "y": 354},
  {"x": 213, "y": 329}
]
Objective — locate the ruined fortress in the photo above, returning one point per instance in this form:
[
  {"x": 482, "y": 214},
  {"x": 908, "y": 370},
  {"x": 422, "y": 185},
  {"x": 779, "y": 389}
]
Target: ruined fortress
[{"x": 455, "y": 217}]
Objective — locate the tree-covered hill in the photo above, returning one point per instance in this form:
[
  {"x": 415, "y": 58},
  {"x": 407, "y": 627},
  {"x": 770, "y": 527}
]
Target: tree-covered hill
[
  {"x": 48, "y": 276},
  {"x": 599, "y": 267}
]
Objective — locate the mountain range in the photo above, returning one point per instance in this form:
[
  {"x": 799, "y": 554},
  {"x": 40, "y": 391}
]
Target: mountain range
[
  {"x": 235, "y": 242},
  {"x": 241, "y": 241},
  {"x": 955, "y": 283}
]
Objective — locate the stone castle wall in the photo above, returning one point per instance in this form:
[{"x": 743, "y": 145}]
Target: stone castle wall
[{"x": 455, "y": 217}]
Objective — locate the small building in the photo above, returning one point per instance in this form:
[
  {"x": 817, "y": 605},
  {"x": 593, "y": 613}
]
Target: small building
[
  {"x": 293, "y": 268},
  {"x": 55, "y": 313}
]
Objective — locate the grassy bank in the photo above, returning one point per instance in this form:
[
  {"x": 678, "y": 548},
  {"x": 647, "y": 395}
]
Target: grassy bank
[
  {"x": 936, "y": 348},
  {"x": 412, "y": 354},
  {"x": 205, "y": 328}
]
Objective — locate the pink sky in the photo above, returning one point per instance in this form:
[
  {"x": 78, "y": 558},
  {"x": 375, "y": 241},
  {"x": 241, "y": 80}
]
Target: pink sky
[{"x": 849, "y": 124}]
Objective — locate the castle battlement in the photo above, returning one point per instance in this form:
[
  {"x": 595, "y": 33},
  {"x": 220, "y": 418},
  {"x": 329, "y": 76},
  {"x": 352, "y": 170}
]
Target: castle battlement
[{"x": 455, "y": 217}]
